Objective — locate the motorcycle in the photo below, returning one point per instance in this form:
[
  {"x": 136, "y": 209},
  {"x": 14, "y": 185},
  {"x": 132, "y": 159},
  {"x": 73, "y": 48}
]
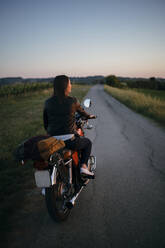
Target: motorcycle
[{"x": 61, "y": 180}]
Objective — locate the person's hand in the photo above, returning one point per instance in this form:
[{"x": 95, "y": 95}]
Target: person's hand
[{"x": 92, "y": 117}]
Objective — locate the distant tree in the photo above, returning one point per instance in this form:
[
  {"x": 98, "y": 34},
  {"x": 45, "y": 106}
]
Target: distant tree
[
  {"x": 152, "y": 79},
  {"x": 150, "y": 83},
  {"x": 102, "y": 81},
  {"x": 112, "y": 80},
  {"x": 154, "y": 84}
]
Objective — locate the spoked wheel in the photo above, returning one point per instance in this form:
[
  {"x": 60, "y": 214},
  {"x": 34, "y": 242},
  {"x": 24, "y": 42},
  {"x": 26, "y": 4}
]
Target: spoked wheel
[{"x": 55, "y": 202}]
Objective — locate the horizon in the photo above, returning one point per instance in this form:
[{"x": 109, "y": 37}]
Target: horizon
[
  {"x": 81, "y": 77},
  {"x": 42, "y": 39}
]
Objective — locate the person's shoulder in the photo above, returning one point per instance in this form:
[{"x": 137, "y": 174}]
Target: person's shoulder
[
  {"x": 50, "y": 99},
  {"x": 72, "y": 99}
]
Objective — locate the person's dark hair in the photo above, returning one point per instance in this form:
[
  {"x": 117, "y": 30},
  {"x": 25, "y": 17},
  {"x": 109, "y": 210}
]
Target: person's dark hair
[{"x": 60, "y": 84}]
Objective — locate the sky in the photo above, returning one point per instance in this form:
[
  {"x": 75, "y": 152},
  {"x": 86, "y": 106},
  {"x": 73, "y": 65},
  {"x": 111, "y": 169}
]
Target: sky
[{"x": 45, "y": 38}]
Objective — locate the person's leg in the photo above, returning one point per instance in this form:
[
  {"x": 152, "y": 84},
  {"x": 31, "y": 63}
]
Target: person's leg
[{"x": 85, "y": 145}]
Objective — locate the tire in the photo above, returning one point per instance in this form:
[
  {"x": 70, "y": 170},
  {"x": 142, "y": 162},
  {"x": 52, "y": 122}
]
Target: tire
[{"x": 55, "y": 203}]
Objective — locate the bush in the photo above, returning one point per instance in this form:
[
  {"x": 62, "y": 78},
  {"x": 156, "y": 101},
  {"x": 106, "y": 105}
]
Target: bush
[
  {"x": 113, "y": 81},
  {"x": 150, "y": 83}
]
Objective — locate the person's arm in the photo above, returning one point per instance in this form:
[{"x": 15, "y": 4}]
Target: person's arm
[{"x": 80, "y": 110}]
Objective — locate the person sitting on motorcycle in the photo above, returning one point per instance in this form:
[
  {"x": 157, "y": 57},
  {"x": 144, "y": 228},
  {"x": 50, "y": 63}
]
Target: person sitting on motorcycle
[{"x": 59, "y": 120}]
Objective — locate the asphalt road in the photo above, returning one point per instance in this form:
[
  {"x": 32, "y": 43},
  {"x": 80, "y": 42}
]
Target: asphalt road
[{"x": 125, "y": 205}]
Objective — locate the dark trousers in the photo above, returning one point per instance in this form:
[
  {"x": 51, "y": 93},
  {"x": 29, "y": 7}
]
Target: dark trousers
[{"x": 82, "y": 144}]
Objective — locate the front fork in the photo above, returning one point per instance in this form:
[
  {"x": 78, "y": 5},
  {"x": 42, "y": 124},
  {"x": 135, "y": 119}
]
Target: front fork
[
  {"x": 68, "y": 164},
  {"x": 91, "y": 165}
]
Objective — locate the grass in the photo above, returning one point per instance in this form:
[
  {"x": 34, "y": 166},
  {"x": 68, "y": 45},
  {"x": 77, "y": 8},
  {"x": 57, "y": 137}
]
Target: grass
[
  {"x": 147, "y": 102},
  {"x": 158, "y": 94},
  {"x": 21, "y": 118}
]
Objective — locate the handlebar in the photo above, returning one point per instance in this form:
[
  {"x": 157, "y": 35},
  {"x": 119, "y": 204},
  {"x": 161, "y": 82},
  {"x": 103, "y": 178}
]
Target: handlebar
[
  {"x": 82, "y": 120},
  {"x": 88, "y": 118}
]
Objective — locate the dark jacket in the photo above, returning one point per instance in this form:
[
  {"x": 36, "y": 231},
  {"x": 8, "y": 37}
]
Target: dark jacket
[{"x": 59, "y": 115}]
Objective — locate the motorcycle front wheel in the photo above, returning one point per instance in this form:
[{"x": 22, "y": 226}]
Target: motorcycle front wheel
[{"x": 55, "y": 203}]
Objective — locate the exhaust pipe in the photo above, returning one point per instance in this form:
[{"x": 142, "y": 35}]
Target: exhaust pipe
[{"x": 70, "y": 204}]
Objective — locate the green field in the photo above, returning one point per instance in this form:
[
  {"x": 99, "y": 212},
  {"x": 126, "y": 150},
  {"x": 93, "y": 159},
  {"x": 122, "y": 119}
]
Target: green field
[
  {"x": 18, "y": 89},
  {"x": 21, "y": 118},
  {"x": 150, "y": 103}
]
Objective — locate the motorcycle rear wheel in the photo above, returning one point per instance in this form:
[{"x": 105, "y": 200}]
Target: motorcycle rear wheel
[{"x": 55, "y": 203}]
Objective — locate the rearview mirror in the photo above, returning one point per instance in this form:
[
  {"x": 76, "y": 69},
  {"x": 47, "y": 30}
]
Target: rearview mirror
[{"x": 87, "y": 103}]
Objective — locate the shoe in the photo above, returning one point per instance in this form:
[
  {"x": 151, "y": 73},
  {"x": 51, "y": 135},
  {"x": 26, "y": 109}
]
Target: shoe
[{"x": 86, "y": 173}]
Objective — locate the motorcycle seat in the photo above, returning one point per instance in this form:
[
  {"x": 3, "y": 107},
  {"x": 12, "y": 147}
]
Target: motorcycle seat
[{"x": 65, "y": 137}]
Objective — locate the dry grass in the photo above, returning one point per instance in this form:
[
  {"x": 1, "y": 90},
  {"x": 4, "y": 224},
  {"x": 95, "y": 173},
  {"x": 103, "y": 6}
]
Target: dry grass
[{"x": 147, "y": 105}]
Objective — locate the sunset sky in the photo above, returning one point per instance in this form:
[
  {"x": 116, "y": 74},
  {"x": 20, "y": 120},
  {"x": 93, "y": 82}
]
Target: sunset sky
[{"x": 44, "y": 38}]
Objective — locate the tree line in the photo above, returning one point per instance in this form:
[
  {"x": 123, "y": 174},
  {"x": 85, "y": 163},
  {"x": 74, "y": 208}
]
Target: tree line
[{"x": 151, "y": 83}]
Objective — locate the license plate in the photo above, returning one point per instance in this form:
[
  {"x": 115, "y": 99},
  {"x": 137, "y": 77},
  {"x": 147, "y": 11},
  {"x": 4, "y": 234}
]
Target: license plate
[{"x": 42, "y": 179}]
